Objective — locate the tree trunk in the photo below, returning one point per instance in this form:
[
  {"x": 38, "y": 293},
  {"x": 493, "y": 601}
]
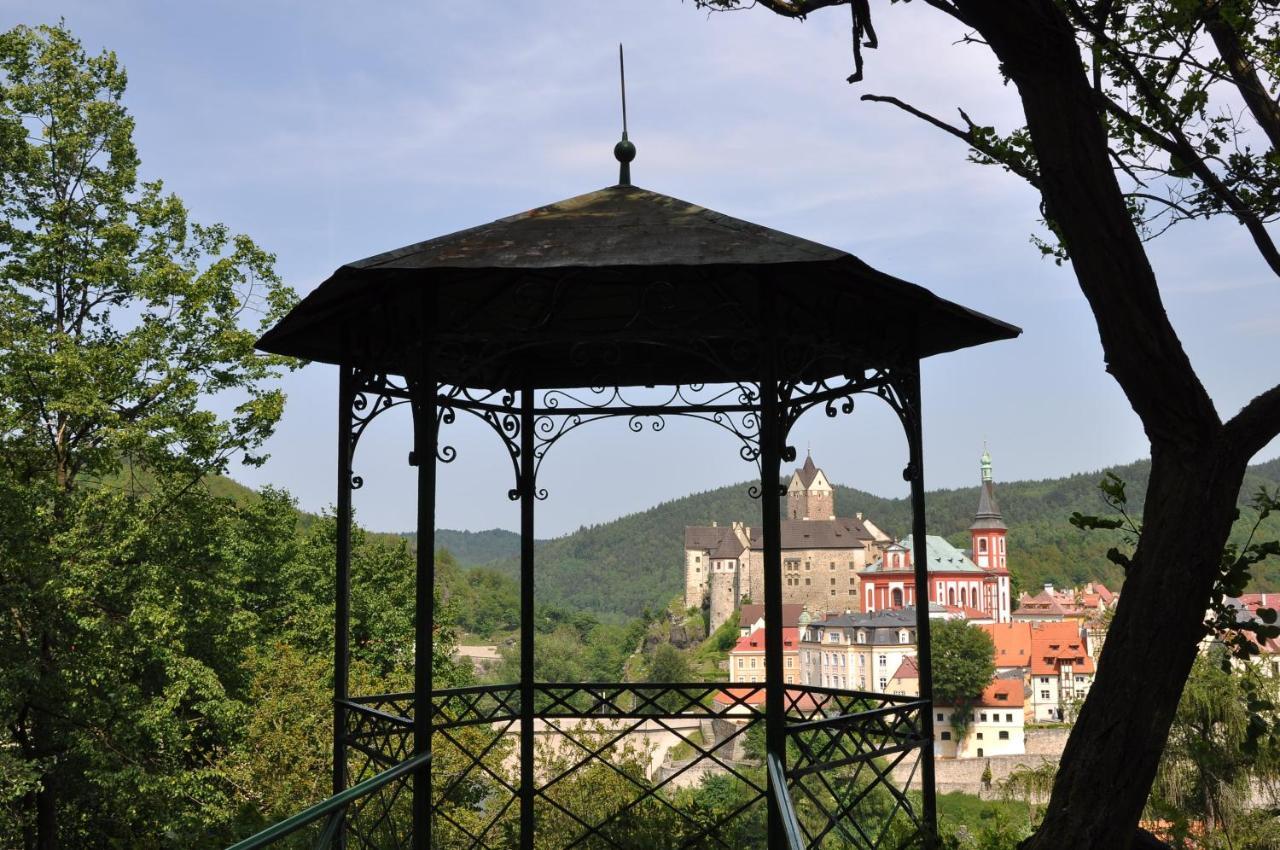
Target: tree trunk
[{"x": 1197, "y": 463}]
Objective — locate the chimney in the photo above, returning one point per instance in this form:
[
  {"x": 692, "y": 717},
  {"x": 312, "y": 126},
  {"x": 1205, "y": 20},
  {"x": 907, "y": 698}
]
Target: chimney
[
  {"x": 714, "y": 524},
  {"x": 858, "y": 514},
  {"x": 1048, "y": 587}
]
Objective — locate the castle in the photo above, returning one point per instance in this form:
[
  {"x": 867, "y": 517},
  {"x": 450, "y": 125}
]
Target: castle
[{"x": 833, "y": 564}]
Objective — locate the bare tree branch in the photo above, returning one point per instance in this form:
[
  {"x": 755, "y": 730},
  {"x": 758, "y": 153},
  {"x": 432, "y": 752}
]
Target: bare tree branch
[{"x": 968, "y": 136}]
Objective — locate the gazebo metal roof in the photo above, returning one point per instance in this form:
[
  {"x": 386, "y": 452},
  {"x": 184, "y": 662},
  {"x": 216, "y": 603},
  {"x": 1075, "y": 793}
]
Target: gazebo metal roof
[{"x": 638, "y": 271}]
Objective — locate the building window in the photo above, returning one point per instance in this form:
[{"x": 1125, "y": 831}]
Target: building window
[
  {"x": 833, "y": 591},
  {"x": 1001, "y": 545},
  {"x": 946, "y": 736},
  {"x": 1044, "y": 695},
  {"x": 984, "y": 717},
  {"x": 1004, "y": 735},
  {"x": 979, "y": 752},
  {"x": 833, "y": 565},
  {"x": 1044, "y": 680},
  {"x": 982, "y": 545},
  {"x": 753, "y": 664},
  {"x": 1008, "y": 718},
  {"x": 939, "y": 716},
  {"x": 807, "y": 565},
  {"x": 833, "y": 581},
  {"x": 741, "y": 662},
  {"x": 806, "y": 581},
  {"x": 979, "y": 736},
  {"x": 697, "y": 559},
  {"x": 884, "y": 659},
  {"x": 883, "y": 684}
]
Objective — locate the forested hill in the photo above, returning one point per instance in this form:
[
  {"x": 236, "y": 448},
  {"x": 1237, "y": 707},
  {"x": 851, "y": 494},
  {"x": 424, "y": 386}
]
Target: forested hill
[{"x": 633, "y": 563}]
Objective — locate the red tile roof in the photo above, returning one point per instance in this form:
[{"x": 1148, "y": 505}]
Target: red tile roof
[
  {"x": 749, "y": 613},
  {"x": 1013, "y": 643},
  {"x": 1056, "y": 644},
  {"x": 754, "y": 642},
  {"x": 1001, "y": 693},
  {"x": 908, "y": 669}
]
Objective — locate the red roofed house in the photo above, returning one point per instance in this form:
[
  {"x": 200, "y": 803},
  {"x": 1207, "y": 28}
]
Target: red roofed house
[
  {"x": 996, "y": 724},
  {"x": 1013, "y": 646},
  {"x": 1061, "y": 670},
  {"x": 906, "y": 679},
  {"x": 746, "y": 659}
]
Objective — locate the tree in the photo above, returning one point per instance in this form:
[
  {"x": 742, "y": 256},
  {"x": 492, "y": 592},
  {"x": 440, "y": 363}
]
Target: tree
[
  {"x": 668, "y": 665},
  {"x": 1216, "y": 759},
  {"x": 1113, "y": 92},
  {"x": 119, "y": 319},
  {"x": 964, "y": 661}
]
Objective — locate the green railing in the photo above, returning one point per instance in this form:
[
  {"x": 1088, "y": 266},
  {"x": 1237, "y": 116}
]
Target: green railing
[
  {"x": 782, "y": 797},
  {"x": 334, "y": 808}
]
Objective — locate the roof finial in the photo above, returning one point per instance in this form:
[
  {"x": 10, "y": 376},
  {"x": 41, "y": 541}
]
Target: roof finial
[
  {"x": 624, "y": 151},
  {"x": 986, "y": 462}
]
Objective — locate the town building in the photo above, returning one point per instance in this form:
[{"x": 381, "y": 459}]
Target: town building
[
  {"x": 996, "y": 727},
  {"x": 751, "y": 617},
  {"x": 905, "y": 681},
  {"x": 857, "y": 651},
  {"x": 1061, "y": 672},
  {"x": 746, "y": 659},
  {"x": 823, "y": 554},
  {"x": 978, "y": 586}
]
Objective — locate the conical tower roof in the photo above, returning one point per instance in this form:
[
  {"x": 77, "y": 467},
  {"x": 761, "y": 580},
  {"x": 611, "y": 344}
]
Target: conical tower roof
[
  {"x": 808, "y": 472},
  {"x": 988, "y": 514}
]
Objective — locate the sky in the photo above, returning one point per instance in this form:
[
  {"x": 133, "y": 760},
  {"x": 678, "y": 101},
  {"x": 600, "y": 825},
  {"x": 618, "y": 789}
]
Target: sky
[{"x": 332, "y": 131}]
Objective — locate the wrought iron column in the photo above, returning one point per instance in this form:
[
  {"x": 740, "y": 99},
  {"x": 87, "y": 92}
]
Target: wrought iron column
[
  {"x": 771, "y": 438},
  {"x": 425, "y": 426},
  {"x": 342, "y": 580},
  {"x": 909, "y": 391},
  {"x": 527, "y": 492}
]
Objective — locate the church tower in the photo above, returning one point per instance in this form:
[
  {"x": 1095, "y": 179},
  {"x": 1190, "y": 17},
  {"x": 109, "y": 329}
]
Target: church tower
[
  {"x": 810, "y": 495},
  {"x": 988, "y": 529}
]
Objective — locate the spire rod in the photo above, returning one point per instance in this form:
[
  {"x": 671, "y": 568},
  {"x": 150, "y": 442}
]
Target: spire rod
[{"x": 624, "y": 151}]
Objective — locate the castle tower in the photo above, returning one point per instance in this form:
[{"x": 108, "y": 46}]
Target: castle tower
[
  {"x": 810, "y": 495},
  {"x": 723, "y": 591}
]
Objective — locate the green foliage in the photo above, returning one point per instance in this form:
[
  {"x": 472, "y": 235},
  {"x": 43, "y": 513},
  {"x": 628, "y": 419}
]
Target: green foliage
[
  {"x": 963, "y": 665},
  {"x": 1224, "y": 747},
  {"x": 668, "y": 665}
]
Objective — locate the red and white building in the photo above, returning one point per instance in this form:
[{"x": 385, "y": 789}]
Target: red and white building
[{"x": 979, "y": 586}]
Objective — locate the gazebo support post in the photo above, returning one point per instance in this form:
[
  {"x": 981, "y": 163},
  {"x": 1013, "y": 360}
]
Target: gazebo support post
[
  {"x": 342, "y": 582},
  {"x": 775, "y": 688},
  {"x": 527, "y": 492},
  {"x": 909, "y": 393},
  {"x": 425, "y": 425}
]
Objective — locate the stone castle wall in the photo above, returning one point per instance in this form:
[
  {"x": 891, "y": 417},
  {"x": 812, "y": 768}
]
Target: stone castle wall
[{"x": 724, "y": 592}]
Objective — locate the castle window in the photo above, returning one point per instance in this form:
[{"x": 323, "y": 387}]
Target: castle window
[
  {"x": 806, "y": 581},
  {"x": 833, "y": 565},
  {"x": 946, "y": 736},
  {"x": 807, "y": 565},
  {"x": 982, "y": 545},
  {"x": 833, "y": 581},
  {"x": 697, "y": 559},
  {"x": 833, "y": 591}
]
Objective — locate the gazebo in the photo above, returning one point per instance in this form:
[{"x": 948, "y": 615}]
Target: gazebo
[{"x": 618, "y": 303}]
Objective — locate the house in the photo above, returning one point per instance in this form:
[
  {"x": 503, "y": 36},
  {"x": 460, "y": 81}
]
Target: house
[
  {"x": 905, "y": 681},
  {"x": 1012, "y": 646},
  {"x": 746, "y": 659},
  {"x": 857, "y": 651},
  {"x": 1061, "y": 670},
  {"x": 996, "y": 724},
  {"x": 751, "y": 617}
]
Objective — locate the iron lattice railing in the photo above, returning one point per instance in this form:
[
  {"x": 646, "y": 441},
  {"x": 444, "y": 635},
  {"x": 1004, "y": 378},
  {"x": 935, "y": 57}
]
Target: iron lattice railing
[{"x": 630, "y": 766}]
